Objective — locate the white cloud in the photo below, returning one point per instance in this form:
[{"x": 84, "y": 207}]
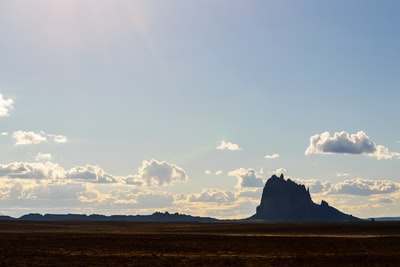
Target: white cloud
[
  {"x": 32, "y": 138},
  {"x": 247, "y": 178},
  {"x": 344, "y": 143},
  {"x": 38, "y": 170},
  {"x": 219, "y": 172},
  {"x": 5, "y": 106},
  {"x": 56, "y": 191},
  {"x": 384, "y": 153},
  {"x": 364, "y": 187},
  {"x": 41, "y": 191},
  {"x": 342, "y": 174},
  {"x": 228, "y": 146},
  {"x": 89, "y": 173},
  {"x": 28, "y": 138},
  {"x": 4, "y": 134},
  {"x": 356, "y": 187},
  {"x": 50, "y": 171},
  {"x": 59, "y": 138},
  {"x": 213, "y": 195},
  {"x": 155, "y": 172},
  {"x": 92, "y": 196},
  {"x": 124, "y": 196},
  {"x": 272, "y": 156},
  {"x": 43, "y": 157}
]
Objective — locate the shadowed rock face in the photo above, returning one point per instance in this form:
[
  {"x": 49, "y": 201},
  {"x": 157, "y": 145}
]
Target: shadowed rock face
[{"x": 285, "y": 200}]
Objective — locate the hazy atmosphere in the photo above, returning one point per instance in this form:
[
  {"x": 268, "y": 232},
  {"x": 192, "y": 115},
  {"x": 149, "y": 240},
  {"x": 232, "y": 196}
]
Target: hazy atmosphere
[{"x": 132, "y": 107}]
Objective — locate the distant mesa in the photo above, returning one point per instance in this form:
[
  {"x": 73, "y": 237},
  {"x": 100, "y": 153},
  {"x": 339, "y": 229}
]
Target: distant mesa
[
  {"x": 6, "y": 218},
  {"x": 285, "y": 200},
  {"x": 155, "y": 217}
]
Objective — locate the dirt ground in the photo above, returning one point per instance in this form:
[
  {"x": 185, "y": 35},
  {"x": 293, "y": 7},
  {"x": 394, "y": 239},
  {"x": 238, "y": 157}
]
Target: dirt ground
[{"x": 199, "y": 244}]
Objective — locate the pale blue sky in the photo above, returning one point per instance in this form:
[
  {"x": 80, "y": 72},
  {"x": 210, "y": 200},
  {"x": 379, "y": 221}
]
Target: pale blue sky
[{"x": 132, "y": 81}]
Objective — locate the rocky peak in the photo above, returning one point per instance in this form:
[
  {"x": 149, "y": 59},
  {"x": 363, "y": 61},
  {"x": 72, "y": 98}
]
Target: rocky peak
[{"x": 285, "y": 200}]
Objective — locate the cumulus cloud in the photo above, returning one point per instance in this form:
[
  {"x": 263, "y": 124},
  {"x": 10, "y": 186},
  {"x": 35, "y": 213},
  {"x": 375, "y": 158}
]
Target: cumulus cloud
[
  {"x": 43, "y": 157},
  {"x": 59, "y": 138},
  {"x": 150, "y": 173},
  {"x": 213, "y": 195},
  {"x": 28, "y": 138},
  {"x": 91, "y": 195},
  {"x": 125, "y": 196},
  {"x": 4, "y": 134},
  {"x": 345, "y": 143},
  {"x": 38, "y": 170},
  {"x": 364, "y": 187},
  {"x": 32, "y": 138},
  {"x": 272, "y": 156},
  {"x": 228, "y": 146},
  {"x": 56, "y": 191},
  {"x": 41, "y": 191},
  {"x": 5, "y": 106},
  {"x": 90, "y": 173},
  {"x": 155, "y": 172},
  {"x": 247, "y": 178},
  {"x": 50, "y": 171},
  {"x": 207, "y": 172},
  {"x": 356, "y": 187},
  {"x": 47, "y": 187}
]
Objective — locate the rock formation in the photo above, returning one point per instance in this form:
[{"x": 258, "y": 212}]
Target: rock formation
[{"x": 285, "y": 200}]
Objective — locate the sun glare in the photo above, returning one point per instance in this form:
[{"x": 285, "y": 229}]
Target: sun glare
[{"x": 70, "y": 26}]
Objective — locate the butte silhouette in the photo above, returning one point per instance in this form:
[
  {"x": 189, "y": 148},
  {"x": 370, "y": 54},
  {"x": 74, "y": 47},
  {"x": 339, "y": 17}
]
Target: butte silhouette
[{"x": 286, "y": 201}]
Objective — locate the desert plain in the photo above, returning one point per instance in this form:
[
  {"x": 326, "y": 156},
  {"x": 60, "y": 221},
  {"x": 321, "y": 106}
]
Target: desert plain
[{"x": 24, "y": 243}]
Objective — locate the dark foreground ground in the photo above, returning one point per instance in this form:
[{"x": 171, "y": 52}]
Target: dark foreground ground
[{"x": 199, "y": 244}]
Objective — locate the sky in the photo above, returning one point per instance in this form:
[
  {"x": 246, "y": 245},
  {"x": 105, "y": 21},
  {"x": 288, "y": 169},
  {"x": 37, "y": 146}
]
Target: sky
[{"x": 132, "y": 107}]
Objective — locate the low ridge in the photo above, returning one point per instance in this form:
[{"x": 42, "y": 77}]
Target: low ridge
[{"x": 285, "y": 200}]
